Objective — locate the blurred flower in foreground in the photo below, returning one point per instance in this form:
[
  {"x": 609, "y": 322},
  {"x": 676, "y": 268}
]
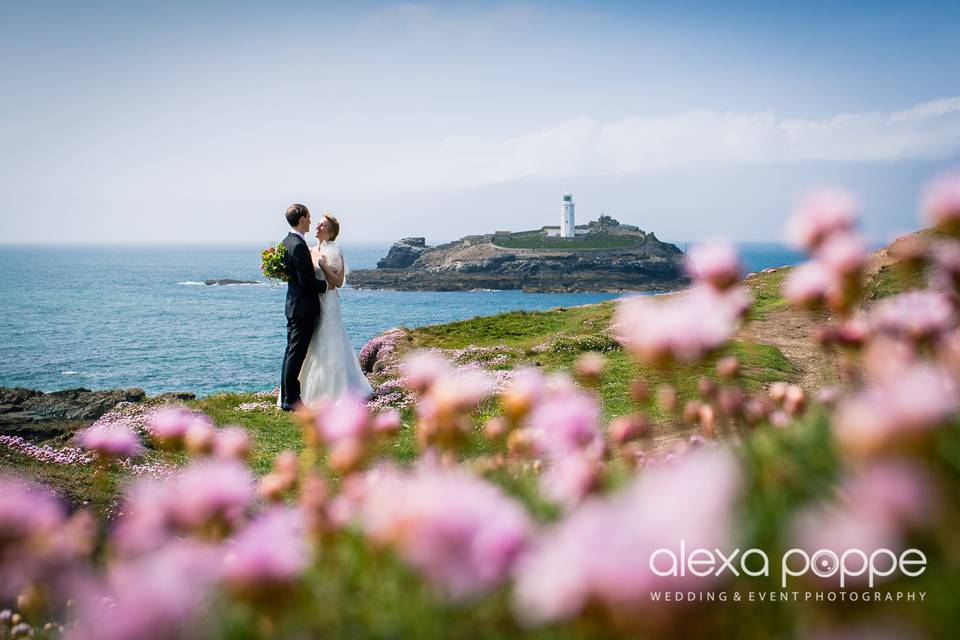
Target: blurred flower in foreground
[
  {"x": 898, "y": 408},
  {"x": 679, "y": 328},
  {"x": 268, "y": 556},
  {"x": 714, "y": 263},
  {"x": 602, "y": 550},
  {"x": 875, "y": 508},
  {"x": 459, "y": 531},
  {"x": 161, "y": 595},
  {"x": 820, "y": 213},
  {"x": 111, "y": 441},
  {"x": 940, "y": 202},
  {"x": 914, "y": 315}
]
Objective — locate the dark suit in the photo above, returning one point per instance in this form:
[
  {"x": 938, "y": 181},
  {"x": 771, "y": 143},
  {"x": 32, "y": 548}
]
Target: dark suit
[{"x": 303, "y": 313}]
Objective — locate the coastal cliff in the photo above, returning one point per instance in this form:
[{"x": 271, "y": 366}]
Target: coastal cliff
[{"x": 604, "y": 256}]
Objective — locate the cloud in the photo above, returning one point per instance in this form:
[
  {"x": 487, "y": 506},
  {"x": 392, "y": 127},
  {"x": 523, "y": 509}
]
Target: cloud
[{"x": 587, "y": 147}]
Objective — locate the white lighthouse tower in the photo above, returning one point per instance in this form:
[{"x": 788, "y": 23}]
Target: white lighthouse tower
[{"x": 568, "y": 227}]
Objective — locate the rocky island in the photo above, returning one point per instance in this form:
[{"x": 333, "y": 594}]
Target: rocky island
[{"x": 603, "y": 255}]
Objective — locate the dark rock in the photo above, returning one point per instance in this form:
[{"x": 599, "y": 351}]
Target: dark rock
[
  {"x": 31, "y": 413},
  {"x": 226, "y": 281},
  {"x": 175, "y": 396},
  {"x": 403, "y": 253}
]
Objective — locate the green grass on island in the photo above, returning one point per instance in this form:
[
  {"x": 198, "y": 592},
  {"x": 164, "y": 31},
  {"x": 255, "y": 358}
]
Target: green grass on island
[{"x": 597, "y": 240}]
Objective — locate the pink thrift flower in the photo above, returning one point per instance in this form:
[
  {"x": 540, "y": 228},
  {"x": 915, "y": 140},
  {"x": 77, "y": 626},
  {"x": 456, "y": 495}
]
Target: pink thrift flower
[
  {"x": 462, "y": 390},
  {"x": 210, "y": 493},
  {"x": 462, "y": 533},
  {"x": 170, "y": 423},
  {"x": 811, "y": 284},
  {"x": 422, "y": 368},
  {"x": 566, "y": 423},
  {"x": 714, "y": 263},
  {"x": 915, "y": 315},
  {"x": 898, "y": 407},
  {"x": 232, "y": 443},
  {"x": 111, "y": 441},
  {"x": 161, "y": 595},
  {"x": 821, "y": 213},
  {"x": 524, "y": 391},
  {"x": 681, "y": 328},
  {"x": 602, "y": 551},
  {"x": 387, "y": 422},
  {"x": 568, "y": 479},
  {"x": 347, "y": 419},
  {"x": 940, "y": 202},
  {"x": 844, "y": 252},
  {"x": 268, "y": 556},
  {"x": 876, "y": 506}
]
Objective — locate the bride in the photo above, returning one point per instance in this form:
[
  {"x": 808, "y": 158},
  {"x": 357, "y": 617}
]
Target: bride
[{"x": 331, "y": 369}]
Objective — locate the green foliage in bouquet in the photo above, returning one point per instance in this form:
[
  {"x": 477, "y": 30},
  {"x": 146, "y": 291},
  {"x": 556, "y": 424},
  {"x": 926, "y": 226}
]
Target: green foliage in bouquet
[{"x": 272, "y": 263}]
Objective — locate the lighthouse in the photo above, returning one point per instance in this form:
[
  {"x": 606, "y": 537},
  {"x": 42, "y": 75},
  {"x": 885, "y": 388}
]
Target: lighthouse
[{"x": 568, "y": 228}]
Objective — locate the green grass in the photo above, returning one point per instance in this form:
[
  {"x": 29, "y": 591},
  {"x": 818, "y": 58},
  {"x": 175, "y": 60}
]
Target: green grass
[
  {"x": 765, "y": 288},
  {"x": 514, "y": 329},
  {"x": 590, "y": 241}
]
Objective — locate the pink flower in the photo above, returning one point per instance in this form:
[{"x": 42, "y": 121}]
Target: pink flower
[
  {"x": 811, "y": 284},
  {"x": 566, "y": 422},
  {"x": 898, "y": 407},
  {"x": 714, "y": 263},
  {"x": 347, "y": 419},
  {"x": 211, "y": 492},
  {"x": 387, "y": 422},
  {"x": 268, "y": 556},
  {"x": 844, "y": 252},
  {"x": 602, "y": 551},
  {"x": 232, "y": 443},
  {"x": 524, "y": 391},
  {"x": 568, "y": 479},
  {"x": 111, "y": 441},
  {"x": 161, "y": 595},
  {"x": 462, "y": 533},
  {"x": 820, "y": 213},
  {"x": 940, "y": 202},
  {"x": 26, "y": 509},
  {"x": 876, "y": 506},
  {"x": 681, "y": 328},
  {"x": 422, "y": 368},
  {"x": 170, "y": 423},
  {"x": 462, "y": 390},
  {"x": 916, "y": 315}
]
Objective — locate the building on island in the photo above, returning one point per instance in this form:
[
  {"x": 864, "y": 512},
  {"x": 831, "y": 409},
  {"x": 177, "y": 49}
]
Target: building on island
[{"x": 568, "y": 225}]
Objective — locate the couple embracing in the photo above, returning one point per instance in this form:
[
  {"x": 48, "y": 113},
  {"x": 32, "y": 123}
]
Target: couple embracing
[{"x": 319, "y": 364}]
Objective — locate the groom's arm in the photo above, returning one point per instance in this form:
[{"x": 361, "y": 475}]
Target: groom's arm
[{"x": 304, "y": 270}]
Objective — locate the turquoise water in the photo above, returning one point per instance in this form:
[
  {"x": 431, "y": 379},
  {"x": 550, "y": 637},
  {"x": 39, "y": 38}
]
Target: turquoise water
[{"x": 105, "y": 317}]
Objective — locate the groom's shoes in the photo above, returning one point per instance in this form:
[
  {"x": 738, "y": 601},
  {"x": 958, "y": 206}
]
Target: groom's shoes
[{"x": 286, "y": 407}]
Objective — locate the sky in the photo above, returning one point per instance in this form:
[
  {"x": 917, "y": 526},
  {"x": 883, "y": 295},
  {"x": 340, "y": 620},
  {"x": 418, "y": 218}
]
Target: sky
[{"x": 194, "y": 122}]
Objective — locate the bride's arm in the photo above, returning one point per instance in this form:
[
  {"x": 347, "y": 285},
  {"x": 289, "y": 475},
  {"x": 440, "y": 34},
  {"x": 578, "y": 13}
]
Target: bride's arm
[{"x": 334, "y": 276}]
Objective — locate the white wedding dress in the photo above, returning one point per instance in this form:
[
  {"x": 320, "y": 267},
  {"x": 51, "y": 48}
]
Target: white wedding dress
[{"x": 331, "y": 370}]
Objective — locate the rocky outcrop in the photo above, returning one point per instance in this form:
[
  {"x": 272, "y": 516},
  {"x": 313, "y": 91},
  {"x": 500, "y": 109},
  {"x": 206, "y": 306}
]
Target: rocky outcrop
[
  {"x": 477, "y": 262},
  {"x": 403, "y": 253},
  {"x": 30, "y": 413}
]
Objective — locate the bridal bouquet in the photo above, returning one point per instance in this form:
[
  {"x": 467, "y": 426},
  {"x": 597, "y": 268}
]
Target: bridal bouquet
[{"x": 271, "y": 263}]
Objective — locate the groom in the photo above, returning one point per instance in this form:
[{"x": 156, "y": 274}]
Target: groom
[{"x": 303, "y": 303}]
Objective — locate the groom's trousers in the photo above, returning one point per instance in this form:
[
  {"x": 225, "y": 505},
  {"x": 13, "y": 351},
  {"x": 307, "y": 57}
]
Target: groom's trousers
[{"x": 299, "y": 332}]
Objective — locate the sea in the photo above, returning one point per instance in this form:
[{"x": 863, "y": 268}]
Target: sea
[{"x": 110, "y": 317}]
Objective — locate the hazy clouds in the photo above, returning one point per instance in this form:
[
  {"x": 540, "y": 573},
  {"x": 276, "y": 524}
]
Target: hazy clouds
[{"x": 201, "y": 122}]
